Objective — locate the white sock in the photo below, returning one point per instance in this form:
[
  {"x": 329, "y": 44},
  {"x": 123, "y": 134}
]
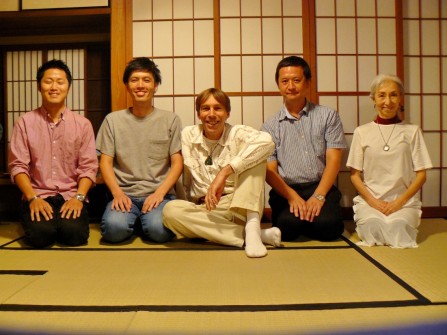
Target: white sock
[
  {"x": 253, "y": 243},
  {"x": 271, "y": 236}
]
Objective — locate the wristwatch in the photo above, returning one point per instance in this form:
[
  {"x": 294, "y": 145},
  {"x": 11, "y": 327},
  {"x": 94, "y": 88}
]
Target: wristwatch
[
  {"x": 319, "y": 196},
  {"x": 80, "y": 197}
]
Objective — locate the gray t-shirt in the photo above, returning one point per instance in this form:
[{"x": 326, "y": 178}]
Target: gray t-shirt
[{"x": 141, "y": 148}]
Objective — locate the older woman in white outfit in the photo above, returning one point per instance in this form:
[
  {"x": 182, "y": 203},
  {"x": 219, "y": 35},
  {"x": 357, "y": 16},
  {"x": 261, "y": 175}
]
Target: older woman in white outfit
[{"x": 388, "y": 160}]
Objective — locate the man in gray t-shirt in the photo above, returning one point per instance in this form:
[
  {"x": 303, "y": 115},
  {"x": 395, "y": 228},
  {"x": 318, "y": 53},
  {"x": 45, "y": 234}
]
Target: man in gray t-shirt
[{"x": 140, "y": 158}]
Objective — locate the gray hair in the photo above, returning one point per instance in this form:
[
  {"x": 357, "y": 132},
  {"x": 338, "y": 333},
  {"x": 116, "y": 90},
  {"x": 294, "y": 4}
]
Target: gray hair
[{"x": 380, "y": 79}]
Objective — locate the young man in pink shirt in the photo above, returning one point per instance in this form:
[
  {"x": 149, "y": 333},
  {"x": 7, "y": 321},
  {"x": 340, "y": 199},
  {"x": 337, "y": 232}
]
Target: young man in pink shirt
[{"x": 52, "y": 159}]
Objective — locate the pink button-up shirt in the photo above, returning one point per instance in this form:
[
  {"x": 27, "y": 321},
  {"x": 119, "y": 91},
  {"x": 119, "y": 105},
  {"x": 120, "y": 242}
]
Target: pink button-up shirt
[{"x": 54, "y": 155}]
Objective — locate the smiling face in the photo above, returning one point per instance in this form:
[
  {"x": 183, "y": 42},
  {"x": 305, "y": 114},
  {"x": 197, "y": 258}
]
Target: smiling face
[
  {"x": 141, "y": 86},
  {"x": 293, "y": 85},
  {"x": 54, "y": 87},
  {"x": 213, "y": 116},
  {"x": 387, "y": 99}
]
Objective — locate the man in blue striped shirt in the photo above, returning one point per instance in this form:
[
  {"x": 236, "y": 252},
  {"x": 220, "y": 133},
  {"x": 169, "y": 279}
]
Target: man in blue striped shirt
[{"x": 302, "y": 170}]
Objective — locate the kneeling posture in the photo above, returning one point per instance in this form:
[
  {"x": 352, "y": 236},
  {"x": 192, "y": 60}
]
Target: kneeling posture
[
  {"x": 224, "y": 177},
  {"x": 388, "y": 159}
]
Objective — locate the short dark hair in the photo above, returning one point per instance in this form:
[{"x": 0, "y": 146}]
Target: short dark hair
[
  {"x": 218, "y": 94},
  {"x": 53, "y": 64},
  {"x": 293, "y": 61},
  {"x": 142, "y": 64}
]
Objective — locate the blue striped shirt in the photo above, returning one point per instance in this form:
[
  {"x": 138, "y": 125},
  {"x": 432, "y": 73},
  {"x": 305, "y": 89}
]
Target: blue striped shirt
[{"x": 301, "y": 143}]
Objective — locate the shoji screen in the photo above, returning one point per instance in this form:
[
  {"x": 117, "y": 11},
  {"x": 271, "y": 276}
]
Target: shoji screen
[
  {"x": 21, "y": 87},
  {"x": 180, "y": 36},
  {"x": 425, "y": 56},
  {"x": 355, "y": 40}
]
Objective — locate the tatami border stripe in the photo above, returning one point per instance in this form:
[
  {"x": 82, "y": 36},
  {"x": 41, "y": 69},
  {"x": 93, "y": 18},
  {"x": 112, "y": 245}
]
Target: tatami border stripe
[
  {"x": 390, "y": 274},
  {"x": 212, "y": 308},
  {"x": 23, "y": 272}
]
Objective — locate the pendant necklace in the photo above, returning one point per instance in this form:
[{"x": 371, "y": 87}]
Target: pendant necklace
[
  {"x": 386, "y": 147},
  {"x": 209, "y": 159}
]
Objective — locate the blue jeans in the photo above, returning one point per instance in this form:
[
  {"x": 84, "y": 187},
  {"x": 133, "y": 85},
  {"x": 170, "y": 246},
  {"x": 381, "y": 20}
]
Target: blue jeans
[{"x": 118, "y": 226}]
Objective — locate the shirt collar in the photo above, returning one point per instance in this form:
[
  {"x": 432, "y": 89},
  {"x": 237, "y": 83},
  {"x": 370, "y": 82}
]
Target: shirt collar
[
  {"x": 47, "y": 115},
  {"x": 199, "y": 139},
  {"x": 285, "y": 114}
]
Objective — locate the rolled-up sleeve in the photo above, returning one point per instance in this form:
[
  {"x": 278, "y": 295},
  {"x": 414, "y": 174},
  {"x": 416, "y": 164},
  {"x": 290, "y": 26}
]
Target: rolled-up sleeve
[{"x": 253, "y": 147}]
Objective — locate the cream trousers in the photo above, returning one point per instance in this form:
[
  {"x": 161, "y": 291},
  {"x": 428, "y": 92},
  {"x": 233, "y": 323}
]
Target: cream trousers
[{"x": 225, "y": 224}]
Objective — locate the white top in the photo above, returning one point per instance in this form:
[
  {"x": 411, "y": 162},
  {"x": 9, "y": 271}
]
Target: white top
[{"x": 387, "y": 174}]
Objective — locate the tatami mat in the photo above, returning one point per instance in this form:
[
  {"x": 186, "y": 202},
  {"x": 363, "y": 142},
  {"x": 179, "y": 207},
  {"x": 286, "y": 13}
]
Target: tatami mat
[{"x": 194, "y": 287}]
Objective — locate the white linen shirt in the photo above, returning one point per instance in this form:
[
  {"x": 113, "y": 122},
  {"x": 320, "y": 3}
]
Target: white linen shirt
[{"x": 240, "y": 146}]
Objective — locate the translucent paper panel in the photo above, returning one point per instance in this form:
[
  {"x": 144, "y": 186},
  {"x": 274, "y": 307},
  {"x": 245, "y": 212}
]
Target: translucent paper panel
[
  {"x": 184, "y": 108},
  {"x": 229, "y": 8},
  {"x": 251, "y": 73},
  {"x": 430, "y": 37},
  {"x": 444, "y": 154},
  {"x": 410, "y": 8},
  {"x": 203, "y": 8},
  {"x": 348, "y": 112},
  {"x": 250, "y": 8},
  {"x": 142, "y": 39},
  {"x": 164, "y": 103},
  {"x": 271, "y": 29},
  {"x": 430, "y": 75},
  {"x": 324, "y": 7},
  {"x": 346, "y": 36},
  {"x": 431, "y": 107},
  {"x": 347, "y": 73},
  {"x": 433, "y": 141},
  {"x": 430, "y": 9},
  {"x": 269, "y": 69},
  {"x": 230, "y": 36},
  {"x": 183, "y": 76},
  {"x": 444, "y": 117},
  {"x": 252, "y": 111},
  {"x": 325, "y": 36},
  {"x": 293, "y": 32},
  {"x": 411, "y": 44},
  {"x": 387, "y": 64},
  {"x": 430, "y": 195},
  {"x": 203, "y": 37},
  {"x": 231, "y": 73},
  {"x": 366, "y": 7},
  {"x": 167, "y": 75},
  {"x": 272, "y": 105},
  {"x": 183, "y": 38},
  {"x": 271, "y": 8},
  {"x": 444, "y": 182},
  {"x": 385, "y": 8},
  {"x": 345, "y": 7},
  {"x": 366, "y": 31},
  {"x": 326, "y": 73},
  {"x": 183, "y": 9},
  {"x": 412, "y": 72},
  {"x": 162, "y": 36},
  {"x": 292, "y": 7},
  {"x": 203, "y": 73},
  {"x": 366, "y": 71},
  {"x": 236, "y": 110},
  {"x": 444, "y": 36},
  {"x": 413, "y": 109},
  {"x": 330, "y": 101},
  {"x": 162, "y": 9},
  {"x": 141, "y": 10},
  {"x": 251, "y": 36},
  {"x": 387, "y": 35},
  {"x": 367, "y": 113},
  {"x": 444, "y": 75}
]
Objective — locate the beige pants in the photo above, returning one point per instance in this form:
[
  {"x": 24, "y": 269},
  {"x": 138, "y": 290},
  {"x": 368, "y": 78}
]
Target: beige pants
[{"x": 225, "y": 224}]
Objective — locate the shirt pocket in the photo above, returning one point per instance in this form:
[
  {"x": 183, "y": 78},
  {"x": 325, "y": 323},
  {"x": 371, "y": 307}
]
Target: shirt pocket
[
  {"x": 319, "y": 142},
  {"x": 158, "y": 149}
]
